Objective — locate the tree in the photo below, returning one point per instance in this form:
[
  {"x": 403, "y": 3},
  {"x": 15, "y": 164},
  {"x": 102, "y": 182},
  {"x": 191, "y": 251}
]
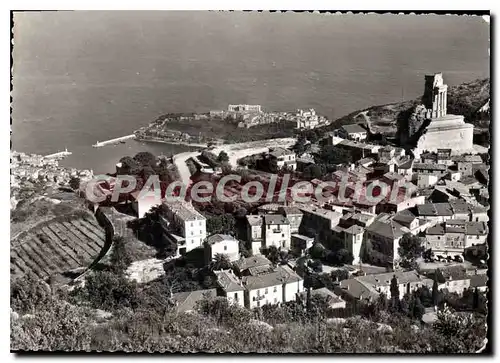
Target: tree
[
  {"x": 381, "y": 302},
  {"x": 345, "y": 256},
  {"x": 146, "y": 172},
  {"x": 300, "y": 145},
  {"x": 108, "y": 291},
  {"x": 428, "y": 255},
  {"x": 314, "y": 171},
  {"x": 221, "y": 262},
  {"x": 333, "y": 155},
  {"x": 120, "y": 257},
  {"x": 145, "y": 158},
  {"x": 435, "y": 290},
  {"x": 129, "y": 166},
  {"x": 339, "y": 275},
  {"x": 418, "y": 309},
  {"x": 74, "y": 183},
  {"x": 273, "y": 255},
  {"x": 410, "y": 248},
  {"x": 394, "y": 288},
  {"x": 316, "y": 265},
  {"x": 224, "y": 223},
  {"x": 223, "y": 157}
]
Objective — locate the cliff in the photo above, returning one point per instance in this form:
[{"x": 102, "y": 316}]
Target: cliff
[{"x": 467, "y": 99}]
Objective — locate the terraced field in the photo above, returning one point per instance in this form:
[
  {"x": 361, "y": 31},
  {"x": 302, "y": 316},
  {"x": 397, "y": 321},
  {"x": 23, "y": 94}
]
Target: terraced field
[{"x": 59, "y": 245}]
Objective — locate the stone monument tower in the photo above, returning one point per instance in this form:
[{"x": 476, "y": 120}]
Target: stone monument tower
[
  {"x": 435, "y": 96},
  {"x": 444, "y": 130}
]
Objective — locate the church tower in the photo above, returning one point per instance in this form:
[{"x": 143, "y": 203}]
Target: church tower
[{"x": 435, "y": 94}]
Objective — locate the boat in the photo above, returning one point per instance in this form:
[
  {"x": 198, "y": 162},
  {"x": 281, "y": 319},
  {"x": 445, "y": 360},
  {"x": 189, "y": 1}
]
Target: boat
[{"x": 122, "y": 141}]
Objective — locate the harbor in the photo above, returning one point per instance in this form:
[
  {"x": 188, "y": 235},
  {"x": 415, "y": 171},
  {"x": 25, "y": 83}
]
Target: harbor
[{"x": 114, "y": 141}]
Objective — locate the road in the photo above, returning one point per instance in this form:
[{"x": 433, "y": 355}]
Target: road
[
  {"x": 241, "y": 150},
  {"x": 234, "y": 151},
  {"x": 180, "y": 162}
]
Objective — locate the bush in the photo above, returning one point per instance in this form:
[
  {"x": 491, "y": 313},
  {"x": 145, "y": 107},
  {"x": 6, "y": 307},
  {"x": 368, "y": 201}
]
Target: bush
[{"x": 108, "y": 291}]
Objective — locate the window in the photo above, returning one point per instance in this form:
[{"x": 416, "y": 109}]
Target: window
[
  {"x": 236, "y": 296},
  {"x": 225, "y": 248},
  {"x": 191, "y": 224},
  {"x": 201, "y": 232},
  {"x": 200, "y": 223},
  {"x": 275, "y": 300},
  {"x": 192, "y": 233},
  {"x": 275, "y": 289},
  {"x": 258, "y": 303},
  {"x": 282, "y": 235},
  {"x": 266, "y": 291}
]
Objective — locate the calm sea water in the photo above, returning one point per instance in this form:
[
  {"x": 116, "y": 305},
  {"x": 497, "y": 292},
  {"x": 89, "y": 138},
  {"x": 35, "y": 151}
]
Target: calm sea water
[{"x": 80, "y": 77}]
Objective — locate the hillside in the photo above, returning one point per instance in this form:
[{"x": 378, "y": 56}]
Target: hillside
[{"x": 465, "y": 99}]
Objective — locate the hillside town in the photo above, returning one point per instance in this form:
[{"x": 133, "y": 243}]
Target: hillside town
[{"x": 373, "y": 223}]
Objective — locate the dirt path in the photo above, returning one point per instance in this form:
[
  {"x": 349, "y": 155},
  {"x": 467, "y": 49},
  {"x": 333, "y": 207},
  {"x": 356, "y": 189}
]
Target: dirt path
[{"x": 241, "y": 150}]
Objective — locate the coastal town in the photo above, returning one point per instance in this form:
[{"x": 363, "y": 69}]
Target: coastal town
[{"x": 338, "y": 227}]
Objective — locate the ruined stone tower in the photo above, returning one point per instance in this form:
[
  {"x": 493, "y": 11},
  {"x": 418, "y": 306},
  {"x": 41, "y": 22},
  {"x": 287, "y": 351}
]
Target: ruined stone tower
[{"x": 435, "y": 94}]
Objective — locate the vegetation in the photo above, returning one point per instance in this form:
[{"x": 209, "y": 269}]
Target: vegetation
[
  {"x": 410, "y": 248},
  {"x": 120, "y": 257},
  {"x": 74, "y": 183},
  {"x": 149, "y": 230},
  {"x": 53, "y": 323},
  {"x": 223, "y": 224},
  {"x": 203, "y": 130},
  {"x": 220, "y": 262},
  {"x": 144, "y": 164}
]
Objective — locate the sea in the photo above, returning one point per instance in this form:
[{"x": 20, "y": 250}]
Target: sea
[{"x": 87, "y": 76}]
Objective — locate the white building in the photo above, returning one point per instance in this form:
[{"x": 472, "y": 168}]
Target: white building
[
  {"x": 231, "y": 287},
  {"x": 277, "y": 231},
  {"x": 371, "y": 286},
  {"x": 184, "y": 224},
  {"x": 277, "y": 285},
  {"x": 307, "y": 119},
  {"x": 426, "y": 180},
  {"x": 452, "y": 237},
  {"x": 221, "y": 244},
  {"x": 284, "y": 158},
  {"x": 244, "y": 108},
  {"x": 254, "y": 232},
  {"x": 352, "y": 132}
]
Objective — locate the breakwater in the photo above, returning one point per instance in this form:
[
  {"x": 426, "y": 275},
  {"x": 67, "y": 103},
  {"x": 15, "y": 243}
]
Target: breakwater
[
  {"x": 113, "y": 141},
  {"x": 60, "y": 154}
]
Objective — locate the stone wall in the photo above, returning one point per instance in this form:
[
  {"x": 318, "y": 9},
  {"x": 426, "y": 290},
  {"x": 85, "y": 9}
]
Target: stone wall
[{"x": 455, "y": 139}]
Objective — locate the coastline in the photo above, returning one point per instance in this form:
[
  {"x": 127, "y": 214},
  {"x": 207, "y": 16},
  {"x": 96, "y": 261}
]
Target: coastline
[{"x": 171, "y": 142}]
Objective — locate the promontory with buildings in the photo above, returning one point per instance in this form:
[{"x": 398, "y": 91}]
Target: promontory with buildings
[{"x": 401, "y": 270}]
